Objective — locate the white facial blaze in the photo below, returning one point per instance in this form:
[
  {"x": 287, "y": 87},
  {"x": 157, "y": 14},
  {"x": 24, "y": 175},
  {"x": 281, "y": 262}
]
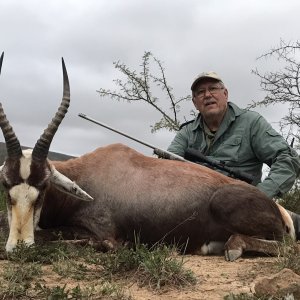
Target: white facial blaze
[
  {"x": 23, "y": 198},
  {"x": 25, "y": 163}
]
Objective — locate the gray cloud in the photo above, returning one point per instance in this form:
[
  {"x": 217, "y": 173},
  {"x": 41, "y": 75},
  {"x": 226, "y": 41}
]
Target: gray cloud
[{"x": 188, "y": 36}]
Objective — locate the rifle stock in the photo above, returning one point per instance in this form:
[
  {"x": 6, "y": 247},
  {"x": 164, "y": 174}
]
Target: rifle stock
[{"x": 196, "y": 156}]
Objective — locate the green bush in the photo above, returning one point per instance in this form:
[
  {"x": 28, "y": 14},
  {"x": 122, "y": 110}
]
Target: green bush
[
  {"x": 155, "y": 267},
  {"x": 291, "y": 200}
]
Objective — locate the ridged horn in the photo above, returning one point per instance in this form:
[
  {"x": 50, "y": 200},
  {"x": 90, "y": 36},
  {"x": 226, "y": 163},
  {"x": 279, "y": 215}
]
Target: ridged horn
[
  {"x": 13, "y": 146},
  {"x": 41, "y": 148}
]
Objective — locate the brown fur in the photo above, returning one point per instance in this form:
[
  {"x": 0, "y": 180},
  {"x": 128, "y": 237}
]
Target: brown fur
[{"x": 161, "y": 200}]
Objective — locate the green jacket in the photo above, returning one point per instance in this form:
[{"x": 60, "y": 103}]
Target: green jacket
[{"x": 244, "y": 141}]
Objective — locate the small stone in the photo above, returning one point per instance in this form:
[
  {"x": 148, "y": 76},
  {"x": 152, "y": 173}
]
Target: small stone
[{"x": 281, "y": 284}]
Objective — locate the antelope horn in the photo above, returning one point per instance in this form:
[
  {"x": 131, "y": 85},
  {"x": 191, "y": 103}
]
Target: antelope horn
[
  {"x": 13, "y": 146},
  {"x": 41, "y": 148},
  {"x": 1, "y": 60}
]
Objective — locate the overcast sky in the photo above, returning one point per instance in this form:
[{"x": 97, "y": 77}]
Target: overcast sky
[{"x": 188, "y": 36}]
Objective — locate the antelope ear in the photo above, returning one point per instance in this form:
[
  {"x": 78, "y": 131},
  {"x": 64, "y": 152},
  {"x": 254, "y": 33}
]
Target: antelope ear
[{"x": 66, "y": 185}]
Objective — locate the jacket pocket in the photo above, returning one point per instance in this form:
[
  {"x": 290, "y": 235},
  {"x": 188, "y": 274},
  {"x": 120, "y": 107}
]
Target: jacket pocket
[{"x": 228, "y": 150}]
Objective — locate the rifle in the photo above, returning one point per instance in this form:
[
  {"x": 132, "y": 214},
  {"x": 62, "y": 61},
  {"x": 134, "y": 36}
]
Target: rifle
[
  {"x": 160, "y": 152},
  {"x": 191, "y": 155},
  {"x": 196, "y": 156}
]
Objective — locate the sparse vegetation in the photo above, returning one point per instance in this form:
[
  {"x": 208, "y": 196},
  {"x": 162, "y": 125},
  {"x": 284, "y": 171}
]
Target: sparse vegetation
[
  {"x": 104, "y": 290},
  {"x": 98, "y": 275},
  {"x": 244, "y": 296},
  {"x": 155, "y": 268},
  {"x": 291, "y": 200},
  {"x": 289, "y": 256},
  {"x": 17, "y": 278}
]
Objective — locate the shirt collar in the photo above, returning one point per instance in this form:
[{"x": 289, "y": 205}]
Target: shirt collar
[{"x": 232, "y": 112}]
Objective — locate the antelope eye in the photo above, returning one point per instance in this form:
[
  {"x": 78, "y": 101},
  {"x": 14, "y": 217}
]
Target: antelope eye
[
  {"x": 5, "y": 185},
  {"x": 38, "y": 185},
  {"x": 41, "y": 185},
  {"x": 8, "y": 185}
]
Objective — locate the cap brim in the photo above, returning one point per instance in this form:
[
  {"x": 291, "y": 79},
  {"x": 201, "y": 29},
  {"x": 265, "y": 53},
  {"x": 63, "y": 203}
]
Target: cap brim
[{"x": 203, "y": 78}]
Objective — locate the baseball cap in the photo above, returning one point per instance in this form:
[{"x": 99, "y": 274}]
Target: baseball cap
[{"x": 210, "y": 74}]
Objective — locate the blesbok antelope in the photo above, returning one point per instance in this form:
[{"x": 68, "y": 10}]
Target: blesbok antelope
[{"x": 159, "y": 200}]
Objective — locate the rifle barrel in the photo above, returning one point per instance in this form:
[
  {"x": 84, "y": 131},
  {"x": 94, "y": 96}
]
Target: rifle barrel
[
  {"x": 115, "y": 130},
  {"x": 156, "y": 150}
]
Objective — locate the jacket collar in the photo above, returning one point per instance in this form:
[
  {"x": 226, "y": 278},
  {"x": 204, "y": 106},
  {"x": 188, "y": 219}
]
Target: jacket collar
[{"x": 232, "y": 112}]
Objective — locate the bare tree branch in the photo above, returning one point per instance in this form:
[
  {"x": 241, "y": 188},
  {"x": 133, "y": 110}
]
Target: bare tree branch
[
  {"x": 139, "y": 87},
  {"x": 283, "y": 86}
]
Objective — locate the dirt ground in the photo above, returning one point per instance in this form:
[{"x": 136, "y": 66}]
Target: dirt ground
[{"x": 216, "y": 278}]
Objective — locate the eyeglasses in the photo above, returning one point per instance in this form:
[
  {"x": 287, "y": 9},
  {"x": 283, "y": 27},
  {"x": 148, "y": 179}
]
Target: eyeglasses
[{"x": 212, "y": 90}]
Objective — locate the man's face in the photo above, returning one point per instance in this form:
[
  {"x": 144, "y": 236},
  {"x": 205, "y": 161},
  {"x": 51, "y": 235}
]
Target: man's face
[{"x": 210, "y": 98}]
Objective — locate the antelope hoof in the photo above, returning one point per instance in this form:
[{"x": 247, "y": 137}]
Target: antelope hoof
[
  {"x": 108, "y": 245},
  {"x": 233, "y": 254}
]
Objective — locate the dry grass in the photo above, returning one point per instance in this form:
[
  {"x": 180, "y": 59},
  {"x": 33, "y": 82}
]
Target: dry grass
[{"x": 96, "y": 275}]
